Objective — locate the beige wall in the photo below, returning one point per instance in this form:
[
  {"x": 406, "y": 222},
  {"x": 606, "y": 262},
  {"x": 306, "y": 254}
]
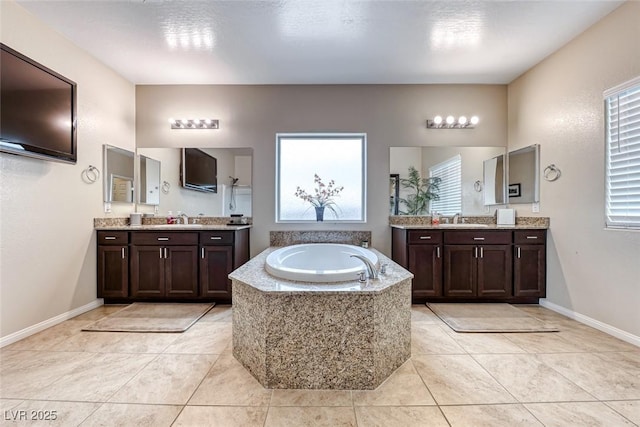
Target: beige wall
[
  {"x": 559, "y": 105},
  {"x": 250, "y": 116},
  {"x": 47, "y": 249}
]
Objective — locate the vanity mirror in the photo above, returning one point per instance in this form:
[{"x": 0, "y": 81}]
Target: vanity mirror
[
  {"x": 460, "y": 168},
  {"x": 234, "y": 182},
  {"x": 524, "y": 175},
  {"x": 494, "y": 184},
  {"x": 148, "y": 181},
  {"x": 118, "y": 182}
]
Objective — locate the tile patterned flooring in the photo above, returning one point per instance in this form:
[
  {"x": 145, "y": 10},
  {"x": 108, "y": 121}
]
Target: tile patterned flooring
[{"x": 576, "y": 377}]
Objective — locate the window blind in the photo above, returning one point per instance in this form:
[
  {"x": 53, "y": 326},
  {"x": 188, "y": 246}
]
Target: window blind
[
  {"x": 623, "y": 157},
  {"x": 450, "y": 173}
]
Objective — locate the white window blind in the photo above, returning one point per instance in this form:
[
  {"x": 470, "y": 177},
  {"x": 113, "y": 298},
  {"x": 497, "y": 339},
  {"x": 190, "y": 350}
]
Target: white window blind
[
  {"x": 623, "y": 156},
  {"x": 450, "y": 173}
]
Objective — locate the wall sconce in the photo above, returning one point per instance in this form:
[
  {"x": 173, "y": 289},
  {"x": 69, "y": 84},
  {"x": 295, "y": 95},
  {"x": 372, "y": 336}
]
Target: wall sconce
[
  {"x": 194, "y": 124},
  {"x": 451, "y": 123}
]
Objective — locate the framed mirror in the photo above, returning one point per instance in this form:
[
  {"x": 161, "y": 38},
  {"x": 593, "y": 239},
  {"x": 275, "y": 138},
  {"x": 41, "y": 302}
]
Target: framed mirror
[
  {"x": 118, "y": 181},
  {"x": 148, "y": 181},
  {"x": 459, "y": 168},
  {"x": 524, "y": 175}
]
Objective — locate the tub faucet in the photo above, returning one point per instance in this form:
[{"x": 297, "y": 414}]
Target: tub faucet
[{"x": 372, "y": 271}]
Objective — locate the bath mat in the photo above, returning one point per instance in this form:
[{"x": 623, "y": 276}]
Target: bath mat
[
  {"x": 487, "y": 317},
  {"x": 151, "y": 317}
]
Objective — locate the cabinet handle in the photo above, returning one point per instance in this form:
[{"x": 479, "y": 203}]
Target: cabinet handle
[
  {"x": 123, "y": 253},
  {"x": 518, "y": 251},
  {"x": 202, "y": 253},
  {"x": 109, "y": 238},
  {"x": 475, "y": 252},
  {"x": 425, "y": 237},
  {"x": 216, "y": 238},
  {"x": 437, "y": 251},
  {"x": 166, "y": 252},
  {"x": 532, "y": 237},
  {"x": 163, "y": 239},
  {"x": 478, "y": 238},
  {"x": 160, "y": 249},
  {"x": 481, "y": 252}
]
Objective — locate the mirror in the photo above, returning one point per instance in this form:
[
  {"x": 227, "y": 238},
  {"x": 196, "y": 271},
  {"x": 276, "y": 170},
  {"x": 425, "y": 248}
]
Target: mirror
[
  {"x": 493, "y": 184},
  {"x": 148, "y": 181},
  {"x": 460, "y": 169},
  {"x": 524, "y": 176},
  {"x": 118, "y": 176},
  {"x": 234, "y": 183}
]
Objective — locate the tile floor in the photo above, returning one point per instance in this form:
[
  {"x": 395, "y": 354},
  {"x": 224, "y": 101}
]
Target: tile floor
[{"x": 576, "y": 377}]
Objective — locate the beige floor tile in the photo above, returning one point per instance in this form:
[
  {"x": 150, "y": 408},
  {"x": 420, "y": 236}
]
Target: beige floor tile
[
  {"x": 489, "y": 416},
  {"x": 24, "y": 379},
  {"x": 170, "y": 379},
  {"x": 93, "y": 342},
  {"x": 421, "y": 313},
  {"x": 51, "y": 413},
  {"x": 7, "y": 404},
  {"x": 284, "y": 397},
  {"x": 543, "y": 342},
  {"x": 280, "y": 416},
  {"x": 96, "y": 380},
  {"x": 478, "y": 343},
  {"x": 131, "y": 342},
  {"x": 576, "y": 414},
  {"x": 592, "y": 340},
  {"x": 530, "y": 380},
  {"x": 11, "y": 358},
  {"x": 403, "y": 387},
  {"x": 627, "y": 360},
  {"x": 400, "y": 416},
  {"x": 222, "y": 416},
  {"x": 432, "y": 339},
  {"x": 604, "y": 379},
  {"x": 50, "y": 338},
  {"x": 229, "y": 383},
  {"x": 100, "y": 312},
  {"x": 630, "y": 409},
  {"x": 219, "y": 313},
  {"x": 127, "y": 415},
  {"x": 459, "y": 379},
  {"x": 203, "y": 338}
]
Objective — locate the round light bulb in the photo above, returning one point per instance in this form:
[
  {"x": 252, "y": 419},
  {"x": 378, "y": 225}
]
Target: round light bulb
[
  {"x": 462, "y": 120},
  {"x": 437, "y": 120},
  {"x": 474, "y": 120},
  {"x": 450, "y": 120},
  {"x": 207, "y": 122},
  {"x": 172, "y": 121}
]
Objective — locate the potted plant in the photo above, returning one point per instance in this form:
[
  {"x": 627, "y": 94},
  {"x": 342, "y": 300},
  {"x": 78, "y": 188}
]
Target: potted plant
[
  {"x": 322, "y": 196},
  {"x": 422, "y": 190}
]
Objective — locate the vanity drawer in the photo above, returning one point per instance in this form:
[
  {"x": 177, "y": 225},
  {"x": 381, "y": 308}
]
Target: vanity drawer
[
  {"x": 164, "y": 238},
  {"x": 426, "y": 237},
  {"x": 529, "y": 237},
  {"x": 216, "y": 238},
  {"x": 113, "y": 237},
  {"x": 477, "y": 237}
]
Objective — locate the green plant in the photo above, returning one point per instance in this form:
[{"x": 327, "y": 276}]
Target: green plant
[{"x": 422, "y": 191}]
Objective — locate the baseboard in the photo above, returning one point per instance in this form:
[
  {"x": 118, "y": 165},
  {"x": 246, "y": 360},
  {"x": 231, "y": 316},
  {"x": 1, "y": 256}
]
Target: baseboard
[
  {"x": 611, "y": 330},
  {"x": 24, "y": 333}
]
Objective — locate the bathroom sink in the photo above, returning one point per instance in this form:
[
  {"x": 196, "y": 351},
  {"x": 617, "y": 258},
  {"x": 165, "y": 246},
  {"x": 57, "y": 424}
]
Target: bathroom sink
[
  {"x": 174, "y": 226},
  {"x": 464, "y": 226}
]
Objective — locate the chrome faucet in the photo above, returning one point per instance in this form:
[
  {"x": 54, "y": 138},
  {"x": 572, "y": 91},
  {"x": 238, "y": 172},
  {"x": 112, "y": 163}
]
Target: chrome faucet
[
  {"x": 184, "y": 217},
  {"x": 456, "y": 218},
  {"x": 372, "y": 271}
]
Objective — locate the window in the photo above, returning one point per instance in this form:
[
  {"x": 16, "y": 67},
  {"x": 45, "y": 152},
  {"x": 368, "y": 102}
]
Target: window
[
  {"x": 622, "y": 106},
  {"x": 449, "y": 201},
  {"x": 327, "y": 171}
]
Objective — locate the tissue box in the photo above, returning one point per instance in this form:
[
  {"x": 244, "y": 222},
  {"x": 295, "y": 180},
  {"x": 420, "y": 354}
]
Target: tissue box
[{"x": 506, "y": 217}]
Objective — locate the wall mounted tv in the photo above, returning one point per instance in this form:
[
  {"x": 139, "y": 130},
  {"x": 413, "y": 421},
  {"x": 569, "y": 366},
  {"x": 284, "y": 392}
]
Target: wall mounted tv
[
  {"x": 37, "y": 109},
  {"x": 199, "y": 171}
]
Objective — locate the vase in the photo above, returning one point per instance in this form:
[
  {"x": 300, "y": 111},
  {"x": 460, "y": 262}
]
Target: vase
[{"x": 319, "y": 213}]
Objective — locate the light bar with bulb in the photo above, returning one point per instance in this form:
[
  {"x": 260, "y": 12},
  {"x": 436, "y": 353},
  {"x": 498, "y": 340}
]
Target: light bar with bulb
[
  {"x": 194, "y": 124},
  {"x": 451, "y": 122}
]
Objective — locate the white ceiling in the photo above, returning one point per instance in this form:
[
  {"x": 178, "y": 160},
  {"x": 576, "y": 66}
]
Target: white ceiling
[{"x": 319, "y": 41}]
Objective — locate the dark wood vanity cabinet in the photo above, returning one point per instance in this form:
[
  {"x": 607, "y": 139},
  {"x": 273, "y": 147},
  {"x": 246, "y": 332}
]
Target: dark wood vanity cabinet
[
  {"x": 113, "y": 264},
  {"x": 472, "y": 265},
  {"x": 169, "y": 265}
]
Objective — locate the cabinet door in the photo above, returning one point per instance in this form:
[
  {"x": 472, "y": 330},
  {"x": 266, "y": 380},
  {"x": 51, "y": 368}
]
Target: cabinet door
[
  {"x": 494, "y": 271},
  {"x": 529, "y": 275},
  {"x": 181, "y": 271},
  {"x": 460, "y": 270},
  {"x": 113, "y": 271},
  {"x": 425, "y": 262},
  {"x": 147, "y": 271},
  {"x": 216, "y": 262}
]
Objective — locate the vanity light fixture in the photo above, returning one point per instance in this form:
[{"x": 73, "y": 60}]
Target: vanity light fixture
[
  {"x": 450, "y": 122},
  {"x": 194, "y": 124}
]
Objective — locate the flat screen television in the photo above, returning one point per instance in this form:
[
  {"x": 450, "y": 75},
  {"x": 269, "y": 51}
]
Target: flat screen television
[
  {"x": 199, "y": 171},
  {"x": 37, "y": 109}
]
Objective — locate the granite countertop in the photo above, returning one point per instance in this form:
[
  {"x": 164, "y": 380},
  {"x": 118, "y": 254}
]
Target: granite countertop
[
  {"x": 173, "y": 227},
  {"x": 253, "y": 274},
  {"x": 448, "y": 227}
]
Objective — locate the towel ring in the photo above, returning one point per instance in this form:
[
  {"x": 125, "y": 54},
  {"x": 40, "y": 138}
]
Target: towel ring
[
  {"x": 165, "y": 187},
  {"x": 552, "y": 173},
  {"x": 477, "y": 186},
  {"x": 90, "y": 174}
]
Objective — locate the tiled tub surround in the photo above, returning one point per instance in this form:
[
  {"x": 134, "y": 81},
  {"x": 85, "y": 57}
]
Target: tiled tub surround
[
  {"x": 287, "y": 238},
  {"x": 425, "y": 221},
  {"x": 298, "y": 335}
]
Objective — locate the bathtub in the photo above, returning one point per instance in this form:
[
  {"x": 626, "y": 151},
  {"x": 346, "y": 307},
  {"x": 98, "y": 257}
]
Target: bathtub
[{"x": 318, "y": 262}]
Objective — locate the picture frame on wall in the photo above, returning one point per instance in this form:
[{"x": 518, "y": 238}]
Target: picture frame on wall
[{"x": 514, "y": 190}]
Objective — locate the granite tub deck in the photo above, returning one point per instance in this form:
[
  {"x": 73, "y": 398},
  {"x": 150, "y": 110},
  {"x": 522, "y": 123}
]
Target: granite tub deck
[{"x": 301, "y": 335}]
